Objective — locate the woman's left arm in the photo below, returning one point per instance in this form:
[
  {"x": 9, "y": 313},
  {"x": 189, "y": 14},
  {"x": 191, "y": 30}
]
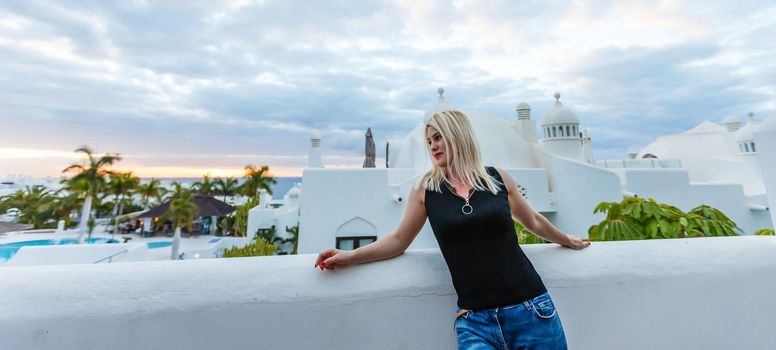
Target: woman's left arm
[{"x": 535, "y": 222}]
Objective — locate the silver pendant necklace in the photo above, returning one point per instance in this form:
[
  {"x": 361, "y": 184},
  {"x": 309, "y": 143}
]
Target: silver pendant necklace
[{"x": 466, "y": 209}]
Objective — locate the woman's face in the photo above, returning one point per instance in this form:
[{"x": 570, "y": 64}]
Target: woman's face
[{"x": 436, "y": 146}]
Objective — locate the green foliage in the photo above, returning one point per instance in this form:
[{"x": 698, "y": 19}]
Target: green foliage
[
  {"x": 182, "y": 211},
  {"x": 37, "y": 206},
  {"x": 764, "y": 232},
  {"x": 204, "y": 187},
  {"x": 151, "y": 190},
  {"x": 89, "y": 177},
  {"x": 526, "y": 237},
  {"x": 226, "y": 226},
  {"x": 256, "y": 178},
  {"x": 257, "y": 247},
  {"x": 636, "y": 218},
  {"x": 226, "y": 187},
  {"x": 704, "y": 220},
  {"x": 294, "y": 239},
  {"x": 241, "y": 217}
]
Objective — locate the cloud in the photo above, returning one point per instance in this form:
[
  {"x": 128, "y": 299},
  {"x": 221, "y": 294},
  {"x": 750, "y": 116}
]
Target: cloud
[{"x": 191, "y": 82}]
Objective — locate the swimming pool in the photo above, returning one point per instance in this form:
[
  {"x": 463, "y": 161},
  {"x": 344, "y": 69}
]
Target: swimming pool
[
  {"x": 8, "y": 250},
  {"x": 152, "y": 245}
]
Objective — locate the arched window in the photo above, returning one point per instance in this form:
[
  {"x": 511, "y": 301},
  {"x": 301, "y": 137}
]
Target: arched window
[
  {"x": 753, "y": 147},
  {"x": 561, "y": 131},
  {"x": 568, "y": 131},
  {"x": 574, "y": 129},
  {"x": 746, "y": 147},
  {"x": 554, "y": 134}
]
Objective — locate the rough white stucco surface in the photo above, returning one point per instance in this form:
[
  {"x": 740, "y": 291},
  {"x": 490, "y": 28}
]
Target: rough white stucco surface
[{"x": 710, "y": 293}]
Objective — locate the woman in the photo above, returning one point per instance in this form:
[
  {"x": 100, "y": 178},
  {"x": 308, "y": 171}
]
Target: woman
[{"x": 503, "y": 303}]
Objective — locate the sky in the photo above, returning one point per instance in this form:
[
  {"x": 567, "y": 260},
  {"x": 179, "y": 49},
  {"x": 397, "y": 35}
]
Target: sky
[{"x": 183, "y": 88}]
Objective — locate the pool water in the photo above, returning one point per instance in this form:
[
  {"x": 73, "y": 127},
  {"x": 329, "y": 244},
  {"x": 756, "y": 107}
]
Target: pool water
[
  {"x": 152, "y": 245},
  {"x": 8, "y": 250}
]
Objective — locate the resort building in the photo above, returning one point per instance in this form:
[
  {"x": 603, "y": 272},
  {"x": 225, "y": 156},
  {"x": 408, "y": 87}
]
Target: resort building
[{"x": 717, "y": 165}]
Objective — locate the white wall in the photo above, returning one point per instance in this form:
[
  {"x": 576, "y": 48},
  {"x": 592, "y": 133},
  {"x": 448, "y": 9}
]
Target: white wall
[
  {"x": 77, "y": 254},
  {"x": 332, "y": 197},
  {"x": 672, "y": 186},
  {"x": 765, "y": 139},
  {"x": 702, "y": 293},
  {"x": 577, "y": 188}
]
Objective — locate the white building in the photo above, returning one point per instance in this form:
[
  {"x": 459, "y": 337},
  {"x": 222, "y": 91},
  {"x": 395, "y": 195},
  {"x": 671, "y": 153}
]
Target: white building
[{"x": 557, "y": 175}]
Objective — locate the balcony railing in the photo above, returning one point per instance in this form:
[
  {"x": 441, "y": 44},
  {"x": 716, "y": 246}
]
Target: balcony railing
[{"x": 638, "y": 163}]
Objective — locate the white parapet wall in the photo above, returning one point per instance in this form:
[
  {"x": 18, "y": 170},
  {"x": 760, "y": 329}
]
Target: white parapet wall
[
  {"x": 78, "y": 254},
  {"x": 703, "y": 293}
]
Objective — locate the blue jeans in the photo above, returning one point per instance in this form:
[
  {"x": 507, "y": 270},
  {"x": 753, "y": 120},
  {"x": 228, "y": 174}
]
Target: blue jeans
[{"x": 532, "y": 324}]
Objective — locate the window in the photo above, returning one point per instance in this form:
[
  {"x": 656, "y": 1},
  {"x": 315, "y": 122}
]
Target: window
[
  {"x": 350, "y": 243},
  {"x": 746, "y": 147},
  {"x": 265, "y": 232},
  {"x": 753, "y": 147},
  {"x": 554, "y": 134},
  {"x": 568, "y": 131}
]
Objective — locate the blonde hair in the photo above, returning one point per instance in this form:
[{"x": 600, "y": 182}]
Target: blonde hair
[{"x": 462, "y": 153}]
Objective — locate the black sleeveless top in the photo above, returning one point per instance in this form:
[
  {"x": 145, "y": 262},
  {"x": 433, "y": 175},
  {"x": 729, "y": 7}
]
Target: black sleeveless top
[{"x": 487, "y": 266}]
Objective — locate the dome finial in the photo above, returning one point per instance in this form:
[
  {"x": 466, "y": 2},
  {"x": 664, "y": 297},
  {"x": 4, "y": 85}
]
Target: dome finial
[
  {"x": 750, "y": 115},
  {"x": 441, "y": 92},
  {"x": 557, "y": 98}
]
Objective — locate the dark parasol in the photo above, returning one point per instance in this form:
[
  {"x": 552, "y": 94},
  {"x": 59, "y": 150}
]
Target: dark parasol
[{"x": 208, "y": 206}]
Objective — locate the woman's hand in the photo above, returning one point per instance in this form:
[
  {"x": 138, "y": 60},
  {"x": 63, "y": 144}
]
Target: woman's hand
[
  {"x": 575, "y": 242},
  {"x": 332, "y": 258}
]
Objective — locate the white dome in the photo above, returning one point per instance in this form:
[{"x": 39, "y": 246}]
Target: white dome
[
  {"x": 294, "y": 190},
  {"x": 559, "y": 114},
  {"x": 440, "y": 106},
  {"x": 746, "y": 133}
]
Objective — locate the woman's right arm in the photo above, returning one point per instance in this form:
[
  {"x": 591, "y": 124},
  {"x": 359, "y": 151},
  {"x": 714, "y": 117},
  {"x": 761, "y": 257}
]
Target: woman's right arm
[{"x": 386, "y": 247}]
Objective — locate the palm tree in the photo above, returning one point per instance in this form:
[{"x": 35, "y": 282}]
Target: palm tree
[
  {"x": 121, "y": 185},
  {"x": 92, "y": 176},
  {"x": 63, "y": 206},
  {"x": 241, "y": 218},
  {"x": 226, "y": 186},
  {"x": 256, "y": 178},
  {"x": 177, "y": 190},
  {"x": 204, "y": 187},
  {"x": 35, "y": 205},
  {"x": 152, "y": 189},
  {"x": 182, "y": 211}
]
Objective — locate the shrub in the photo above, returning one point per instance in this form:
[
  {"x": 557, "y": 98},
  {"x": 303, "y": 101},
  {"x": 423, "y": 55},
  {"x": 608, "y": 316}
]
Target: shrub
[
  {"x": 764, "y": 232},
  {"x": 526, "y": 237},
  {"x": 257, "y": 247},
  {"x": 636, "y": 218}
]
